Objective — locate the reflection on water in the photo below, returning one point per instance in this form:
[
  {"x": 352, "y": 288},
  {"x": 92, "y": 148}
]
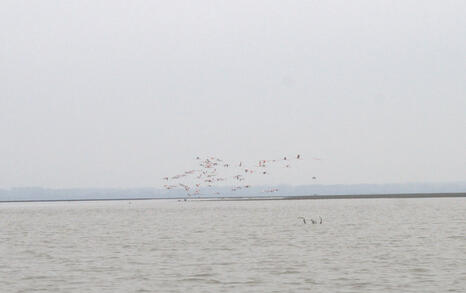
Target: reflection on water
[{"x": 363, "y": 245}]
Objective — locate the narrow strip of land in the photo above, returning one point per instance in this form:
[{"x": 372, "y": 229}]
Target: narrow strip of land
[
  {"x": 350, "y": 196},
  {"x": 301, "y": 197}
]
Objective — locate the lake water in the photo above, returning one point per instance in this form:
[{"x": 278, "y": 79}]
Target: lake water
[{"x": 363, "y": 245}]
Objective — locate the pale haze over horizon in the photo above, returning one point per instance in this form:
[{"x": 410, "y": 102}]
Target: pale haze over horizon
[{"x": 123, "y": 93}]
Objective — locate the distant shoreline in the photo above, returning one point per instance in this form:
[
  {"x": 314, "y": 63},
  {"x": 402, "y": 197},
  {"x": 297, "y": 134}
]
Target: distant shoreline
[
  {"x": 257, "y": 198},
  {"x": 355, "y": 196}
]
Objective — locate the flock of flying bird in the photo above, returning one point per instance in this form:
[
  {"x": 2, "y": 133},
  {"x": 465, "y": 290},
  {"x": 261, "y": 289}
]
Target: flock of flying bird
[{"x": 210, "y": 173}]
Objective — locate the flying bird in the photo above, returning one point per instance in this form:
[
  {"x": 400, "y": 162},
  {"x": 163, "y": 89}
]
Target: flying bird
[{"x": 208, "y": 175}]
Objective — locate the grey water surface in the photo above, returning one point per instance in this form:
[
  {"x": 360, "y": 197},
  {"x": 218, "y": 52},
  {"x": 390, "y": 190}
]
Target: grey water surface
[{"x": 363, "y": 245}]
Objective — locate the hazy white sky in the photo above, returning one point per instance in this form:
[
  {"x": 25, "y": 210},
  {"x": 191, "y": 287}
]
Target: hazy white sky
[{"x": 121, "y": 93}]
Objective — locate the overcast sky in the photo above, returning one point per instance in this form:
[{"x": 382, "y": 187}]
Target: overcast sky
[{"x": 122, "y": 93}]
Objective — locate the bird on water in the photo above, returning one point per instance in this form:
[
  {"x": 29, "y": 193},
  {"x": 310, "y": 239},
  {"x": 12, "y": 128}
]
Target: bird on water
[
  {"x": 312, "y": 220},
  {"x": 303, "y": 218}
]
